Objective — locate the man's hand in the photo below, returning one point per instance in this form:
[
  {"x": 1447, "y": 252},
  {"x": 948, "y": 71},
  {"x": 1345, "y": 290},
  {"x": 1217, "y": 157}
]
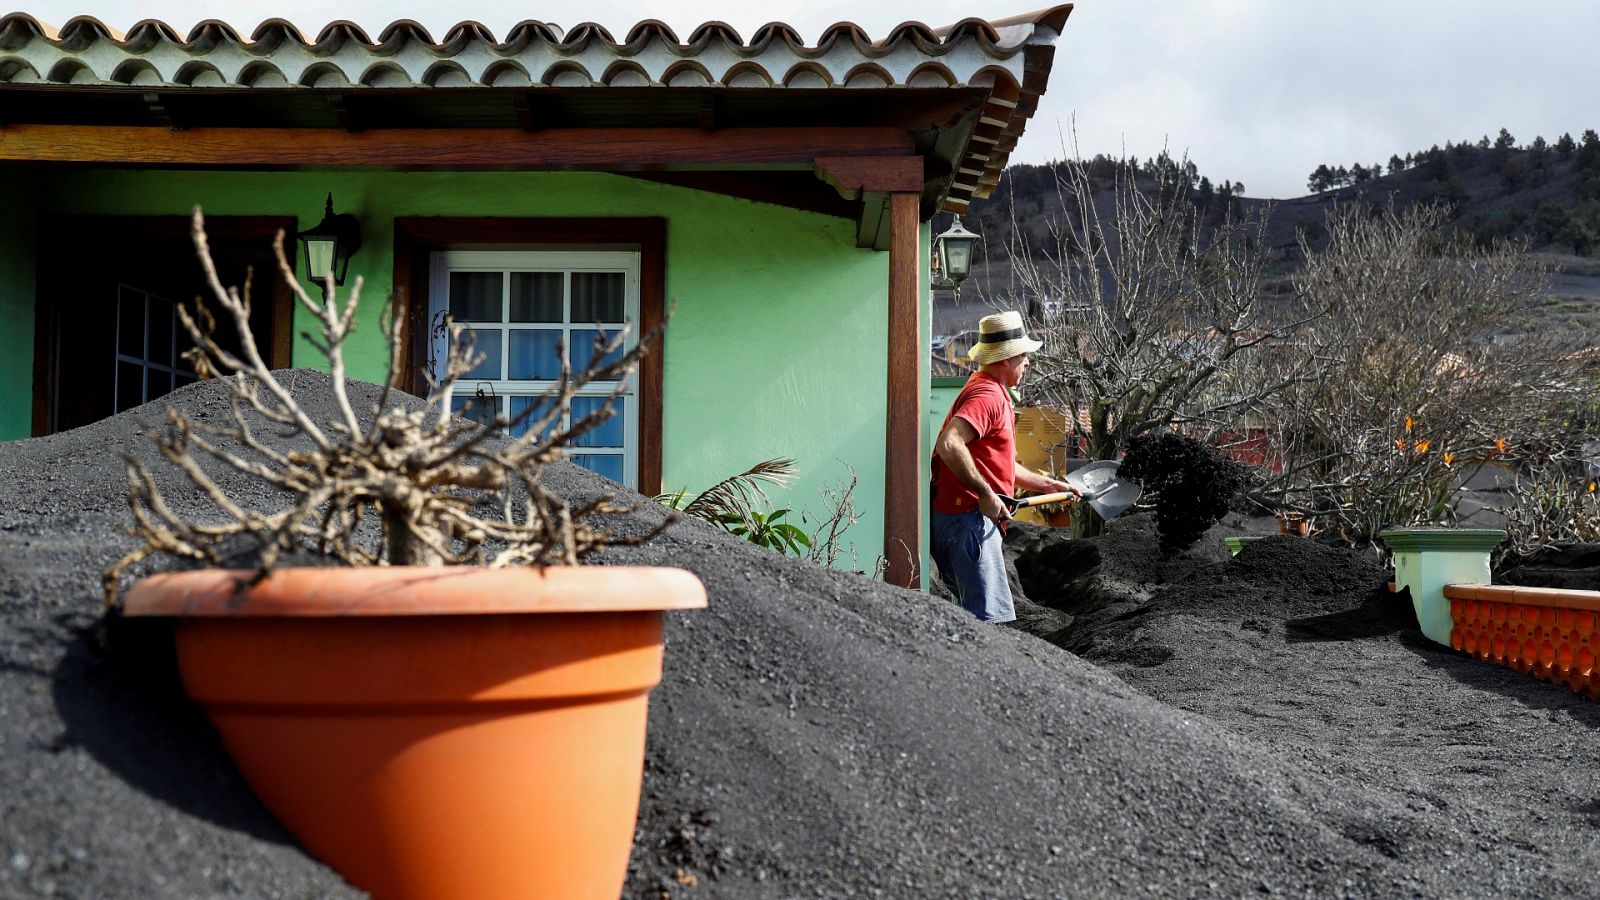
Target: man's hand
[
  {"x": 1055, "y": 485},
  {"x": 992, "y": 507}
]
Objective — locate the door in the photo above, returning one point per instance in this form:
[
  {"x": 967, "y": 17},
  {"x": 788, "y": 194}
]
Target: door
[
  {"x": 523, "y": 310},
  {"x": 108, "y": 338}
]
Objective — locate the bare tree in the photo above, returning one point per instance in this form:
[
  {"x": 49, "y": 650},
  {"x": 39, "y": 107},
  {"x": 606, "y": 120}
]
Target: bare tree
[
  {"x": 1549, "y": 508},
  {"x": 1150, "y": 309},
  {"x": 443, "y": 489},
  {"x": 1152, "y": 306},
  {"x": 1426, "y": 367}
]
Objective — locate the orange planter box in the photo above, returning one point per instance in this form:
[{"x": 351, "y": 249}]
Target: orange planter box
[{"x": 1547, "y": 633}]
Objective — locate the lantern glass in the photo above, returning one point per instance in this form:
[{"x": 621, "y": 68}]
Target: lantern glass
[
  {"x": 955, "y": 252},
  {"x": 957, "y": 259},
  {"x": 319, "y": 256}
]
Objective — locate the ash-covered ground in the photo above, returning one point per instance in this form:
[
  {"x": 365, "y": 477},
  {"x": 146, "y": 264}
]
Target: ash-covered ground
[{"x": 1270, "y": 724}]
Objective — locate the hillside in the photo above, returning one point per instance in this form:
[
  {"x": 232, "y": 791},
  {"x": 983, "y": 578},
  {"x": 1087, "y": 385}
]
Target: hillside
[{"x": 1544, "y": 195}]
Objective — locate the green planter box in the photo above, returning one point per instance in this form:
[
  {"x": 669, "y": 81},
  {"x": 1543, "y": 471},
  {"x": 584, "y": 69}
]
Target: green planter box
[
  {"x": 1427, "y": 559},
  {"x": 1235, "y": 544}
]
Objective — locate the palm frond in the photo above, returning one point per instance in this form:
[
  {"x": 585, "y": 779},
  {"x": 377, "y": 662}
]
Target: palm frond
[{"x": 738, "y": 495}]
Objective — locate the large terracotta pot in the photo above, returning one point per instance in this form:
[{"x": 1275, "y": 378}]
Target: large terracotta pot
[{"x": 456, "y": 732}]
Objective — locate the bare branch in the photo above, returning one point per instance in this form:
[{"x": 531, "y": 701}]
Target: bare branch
[{"x": 443, "y": 491}]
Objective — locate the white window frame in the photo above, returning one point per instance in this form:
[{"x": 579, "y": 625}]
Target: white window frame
[{"x": 443, "y": 262}]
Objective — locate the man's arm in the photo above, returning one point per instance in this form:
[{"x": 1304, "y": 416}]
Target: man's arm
[
  {"x": 1033, "y": 481},
  {"x": 952, "y": 448}
]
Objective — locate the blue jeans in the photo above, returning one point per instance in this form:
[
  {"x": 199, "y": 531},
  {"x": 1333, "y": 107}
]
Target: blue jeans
[{"x": 966, "y": 549}]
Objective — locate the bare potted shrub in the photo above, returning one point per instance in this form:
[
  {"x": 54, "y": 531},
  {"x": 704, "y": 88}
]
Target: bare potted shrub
[{"x": 427, "y": 729}]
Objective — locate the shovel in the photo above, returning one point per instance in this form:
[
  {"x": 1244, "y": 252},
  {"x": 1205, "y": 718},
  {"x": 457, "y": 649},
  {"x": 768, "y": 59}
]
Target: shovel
[{"x": 1097, "y": 483}]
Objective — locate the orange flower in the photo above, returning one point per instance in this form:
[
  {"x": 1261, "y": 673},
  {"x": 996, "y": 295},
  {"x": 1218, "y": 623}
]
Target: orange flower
[
  {"x": 1422, "y": 446},
  {"x": 1400, "y": 444},
  {"x": 1408, "y": 423},
  {"x": 1500, "y": 444},
  {"x": 1449, "y": 457},
  {"x": 1591, "y": 487}
]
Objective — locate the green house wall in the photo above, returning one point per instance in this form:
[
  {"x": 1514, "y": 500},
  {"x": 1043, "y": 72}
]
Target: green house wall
[
  {"x": 776, "y": 346},
  {"x": 941, "y": 396}
]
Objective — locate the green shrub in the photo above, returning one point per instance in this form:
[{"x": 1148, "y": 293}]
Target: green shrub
[{"x": 765, "y": 529}]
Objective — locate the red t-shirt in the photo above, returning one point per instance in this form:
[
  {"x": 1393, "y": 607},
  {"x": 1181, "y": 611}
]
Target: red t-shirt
[{"x": 986, "y": 406}]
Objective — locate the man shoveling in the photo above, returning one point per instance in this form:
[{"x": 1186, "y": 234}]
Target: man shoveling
[{"x": 975, "y": 466}]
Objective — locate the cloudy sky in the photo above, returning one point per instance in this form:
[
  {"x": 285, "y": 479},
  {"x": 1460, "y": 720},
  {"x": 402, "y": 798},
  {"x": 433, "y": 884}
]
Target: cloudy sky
[{"x": 1256, "y": 91}]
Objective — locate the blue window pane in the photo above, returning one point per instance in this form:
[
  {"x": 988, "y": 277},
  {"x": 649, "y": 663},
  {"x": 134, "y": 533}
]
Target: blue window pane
[
  {"x": 476, "y": 296},
  {"x": 536, "y": 297},
  {"x": 535, "y": 353},
  {"x": 526, "y": 411},
  {"x": 597, "y": 297},
  {"x": 609, "y": 466},
  {"x": 606, "y": 434},
  {"x": 583, "y": 349},
  {"x": 479, "y": 407},
  {"x": 487, "y": 344}
]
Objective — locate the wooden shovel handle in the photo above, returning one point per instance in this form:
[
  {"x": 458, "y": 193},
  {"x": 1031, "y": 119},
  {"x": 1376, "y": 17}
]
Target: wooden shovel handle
[{"x": 1042, "y": 499}]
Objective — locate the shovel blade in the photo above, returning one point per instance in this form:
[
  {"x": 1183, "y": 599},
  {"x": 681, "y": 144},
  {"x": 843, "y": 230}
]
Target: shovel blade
[
  {"x": 1107, "y": 510},
  {"x": 1108, "y": 495}
]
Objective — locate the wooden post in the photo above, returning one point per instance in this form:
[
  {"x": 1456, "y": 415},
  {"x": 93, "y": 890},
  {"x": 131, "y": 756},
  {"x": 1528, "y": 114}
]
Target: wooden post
[{"x": 904, "y": 491}]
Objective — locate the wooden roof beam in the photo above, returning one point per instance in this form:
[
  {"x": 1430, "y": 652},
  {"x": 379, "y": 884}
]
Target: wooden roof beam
[
  {"x": 619, "y": 149},
  {"x": 851, "y": 175},
  {"x": 872, "y": 180}
]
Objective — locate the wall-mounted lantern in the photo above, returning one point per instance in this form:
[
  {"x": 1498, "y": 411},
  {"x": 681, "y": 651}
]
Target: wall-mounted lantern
[
  {"x": 330, "y": 244},
  {"x": 953, "y": 251}
]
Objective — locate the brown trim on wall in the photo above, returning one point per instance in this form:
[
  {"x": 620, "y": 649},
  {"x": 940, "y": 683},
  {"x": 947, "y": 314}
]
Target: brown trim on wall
[
  {"x": 904, "y": 491},
  {"x": 416, "y": 237}
]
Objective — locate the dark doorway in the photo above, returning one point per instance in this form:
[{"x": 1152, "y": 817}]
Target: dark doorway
[{"x": 108, "y": 336}]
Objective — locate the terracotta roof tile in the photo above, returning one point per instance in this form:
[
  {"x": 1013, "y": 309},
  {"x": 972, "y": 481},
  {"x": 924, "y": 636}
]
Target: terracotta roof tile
[
  {"x": 775, "y": 31},
  {"x": 273, "y": 32},
  {"x": 713, "y": 31}
]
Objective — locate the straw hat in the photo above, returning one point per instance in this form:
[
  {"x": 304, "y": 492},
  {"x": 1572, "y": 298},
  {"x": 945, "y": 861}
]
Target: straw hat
[{"x": 1001, "y": 336}]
